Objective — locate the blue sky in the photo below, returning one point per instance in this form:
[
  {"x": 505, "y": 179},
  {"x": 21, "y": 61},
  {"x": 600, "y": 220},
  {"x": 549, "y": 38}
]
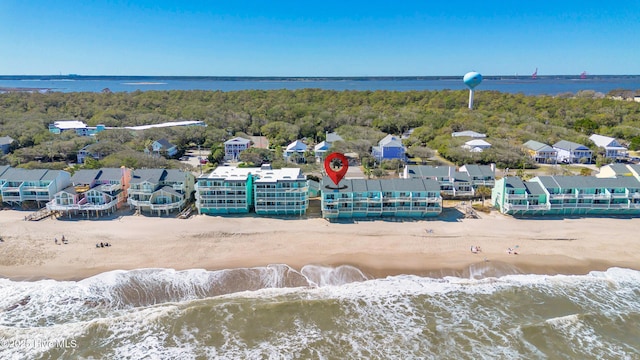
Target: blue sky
[{"x": 319, "y": 38}]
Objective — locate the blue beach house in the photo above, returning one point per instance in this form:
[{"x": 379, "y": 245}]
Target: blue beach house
[
  {"x": 163, "y": 146},
  {"x": 390, "y": 147}
]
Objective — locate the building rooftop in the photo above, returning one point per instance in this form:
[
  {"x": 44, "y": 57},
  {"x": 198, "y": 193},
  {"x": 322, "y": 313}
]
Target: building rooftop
[
  {"x": 69, "y": 124},
  {"x": 514, "y": 182},
  {"x": 620, "y": 169},
  {"x": 382, "y": 185},
  {"x": 165, "y": 143},
  {"x": 169, "y": 189},
  {"x": 151, "y": 175},
  {"x": 323, "y": 146},
  {"x": 263, "y": 175},
  {"x": 587, "y": 182},
  {"x": 3, "y": 169},
  {"x": 479, "y": 170},
  {"x": 19, "y": 174},
  {"x": 85, "y": 176},
  {"x": 468, "y": 133},
  {"x": 534, "y": 188},
  {"x": 166, "y": 124},
  {"x": 390, "y": 141},
  {"x": 110, "y": 174},
  {"x": 422, "y": 171},
  {"x": 477, "y": 142},
  {"x": 568, "y": 145},
  {"x": 284, "y": 174},
  {"x": 297, "y": 145},
  {"x": 333, "y": 137},
  {"x": 6, "y": 140},
  {"x": 538, "y": 146},
  {"x": 237, "y": 140}
]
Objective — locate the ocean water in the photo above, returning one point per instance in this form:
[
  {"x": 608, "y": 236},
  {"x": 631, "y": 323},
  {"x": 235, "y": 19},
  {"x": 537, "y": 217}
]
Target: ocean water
[
  {"x": 276, "y": 312},
  {"x": 525, "y": 85}
]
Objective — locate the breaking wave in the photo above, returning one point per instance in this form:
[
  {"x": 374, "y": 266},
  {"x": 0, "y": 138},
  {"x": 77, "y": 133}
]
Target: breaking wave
[{"x": 322, "y": 312}]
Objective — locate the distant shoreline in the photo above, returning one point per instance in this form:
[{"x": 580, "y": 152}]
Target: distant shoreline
[{"x": 306, "y": 78}]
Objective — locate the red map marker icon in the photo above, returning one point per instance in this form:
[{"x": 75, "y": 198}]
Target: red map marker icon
[{"x": 336, "y": 173}]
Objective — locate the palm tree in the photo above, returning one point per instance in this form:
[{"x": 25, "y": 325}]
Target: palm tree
[{"x": 484, "y": 192}]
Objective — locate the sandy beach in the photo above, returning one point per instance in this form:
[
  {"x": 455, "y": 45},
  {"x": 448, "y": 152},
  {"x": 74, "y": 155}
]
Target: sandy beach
[{"x": 435, "y": 247}]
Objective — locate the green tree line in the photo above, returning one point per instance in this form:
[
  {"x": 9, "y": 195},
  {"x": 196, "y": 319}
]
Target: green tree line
[{"x": 361, "y": 117}]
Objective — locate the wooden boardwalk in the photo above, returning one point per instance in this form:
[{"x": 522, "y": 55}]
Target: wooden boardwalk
[{"x": 39, "y": 215}]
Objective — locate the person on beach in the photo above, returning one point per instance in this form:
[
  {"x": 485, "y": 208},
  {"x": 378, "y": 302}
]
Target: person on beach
[{"x": 55, "y": 240}]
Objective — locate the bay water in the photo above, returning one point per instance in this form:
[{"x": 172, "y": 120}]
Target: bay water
[{"x": 527, "y": 86}]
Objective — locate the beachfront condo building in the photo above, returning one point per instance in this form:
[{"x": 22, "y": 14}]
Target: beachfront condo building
[
  {"x": 359, "y": 198},
  {"x": 567, "y": 195},
  {"x": 38, "y": 185},
  {"x": 159, "y": 190},
  {"x": 481, "y": 175},
  {"x": 226, "y": 190},
  {"x": 93, "y": 192},
  {"x": 454, "y": 183},
  {"x": 281, "y": 192},
  {"x": 267, "y": 191}
]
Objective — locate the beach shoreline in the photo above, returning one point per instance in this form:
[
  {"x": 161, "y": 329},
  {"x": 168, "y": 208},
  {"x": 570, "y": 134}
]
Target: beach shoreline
[{"x": 379, "y": 248}]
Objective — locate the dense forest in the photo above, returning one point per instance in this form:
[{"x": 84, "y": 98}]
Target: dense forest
[{"x": 362, "y": 118}]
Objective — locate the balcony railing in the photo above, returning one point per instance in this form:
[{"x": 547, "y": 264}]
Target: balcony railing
[
  {"x": 508, "y": 206},
  {"x": 539, "y": 207},
  {"x": 620, "y": 195},
  {"x": 111, "y": 187},
  {"x": 331, "y": 211},
  {"x": 222, "y": 197},
  {"x": 52, "y": 205},
  {"x": 10, "y": 188},
  {"x": 593, "y": 196},
  {"x": 140, "y": 191},
  {"x": 35, "y": 188},
  {"x": 139, "y": 202},
  {"x": 527, "y": 206},
  {"x": 10, "y": 197},
  {"x": 171, "y": 206},
  {"x": 562, "y": 196},
  {"x": 515, "y": 196}
]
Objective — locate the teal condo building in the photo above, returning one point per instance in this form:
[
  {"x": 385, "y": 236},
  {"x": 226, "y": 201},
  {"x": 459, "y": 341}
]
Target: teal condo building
[
  {"x": 360, "y": 198},
  {"x": 567, "y": 195},
  {"x": 265, "y": 191}
]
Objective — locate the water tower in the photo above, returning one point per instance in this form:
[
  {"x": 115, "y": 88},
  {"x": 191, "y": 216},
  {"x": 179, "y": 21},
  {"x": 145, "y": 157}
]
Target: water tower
[{"x": 472, "y": 79}]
